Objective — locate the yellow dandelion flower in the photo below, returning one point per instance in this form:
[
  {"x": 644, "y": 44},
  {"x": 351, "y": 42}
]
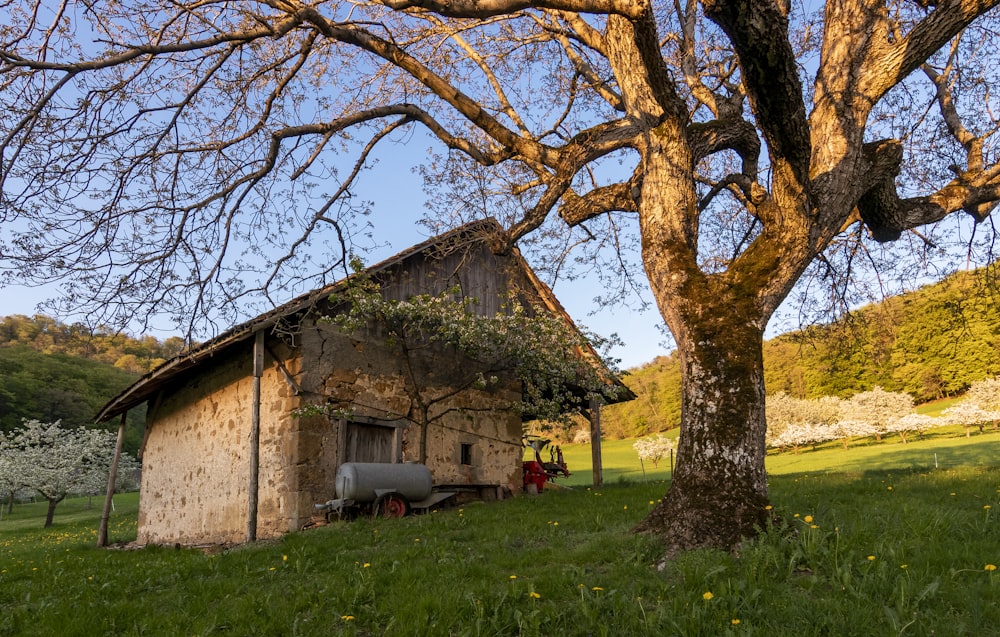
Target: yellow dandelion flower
[
  {"x": 347, "y": 618},
  {"x": 987, "y": 507},
  {"x": 813, "y": 526},
  {"x": 284, "y": 558},
  {"x": 871, "y": 558},
  {"x": 734, "y": 621},
  {"x": 990, "y": 567},
  {"x": 597, "y": 588},
  {"x": 534, "y": 595},
  {"x": 707, "y": 595},
  {"x": 768, "y": 507},
  {"x": 903, "y": 566},
  {"x": 513, "y": 577},
  {"x": 366, "y": 565},
  {"x": 808, "y": 519}
]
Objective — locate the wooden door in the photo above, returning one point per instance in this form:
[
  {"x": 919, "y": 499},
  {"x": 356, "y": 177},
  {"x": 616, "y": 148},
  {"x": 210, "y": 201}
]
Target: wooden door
[{"x": 370, "y": 443}]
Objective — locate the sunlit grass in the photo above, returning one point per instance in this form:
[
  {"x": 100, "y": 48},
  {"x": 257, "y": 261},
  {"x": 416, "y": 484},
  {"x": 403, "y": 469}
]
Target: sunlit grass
[
  {"x": 862, "y": 552},
  {"x": 940, "y": 448}
]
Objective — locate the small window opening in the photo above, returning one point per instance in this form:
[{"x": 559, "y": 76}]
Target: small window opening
[{"x": 466, "y": 453}]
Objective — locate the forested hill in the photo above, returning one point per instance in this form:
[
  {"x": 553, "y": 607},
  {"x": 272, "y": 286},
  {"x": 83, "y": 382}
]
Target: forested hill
[
  {"x": 930, "y": 343},
  {"x": 49, "y": 336},
  {"x": 53, "y": 371}
]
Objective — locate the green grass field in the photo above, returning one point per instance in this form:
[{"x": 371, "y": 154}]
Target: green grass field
[
  {"x": 938, "y": 448},
  {"x": 888, "y": 546}
]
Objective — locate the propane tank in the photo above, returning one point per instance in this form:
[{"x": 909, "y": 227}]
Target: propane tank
[{"x": 364, "y": 481}]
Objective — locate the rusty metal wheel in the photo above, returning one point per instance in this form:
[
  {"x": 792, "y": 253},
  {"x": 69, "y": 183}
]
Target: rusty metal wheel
[{"x": 392, "y": 505}]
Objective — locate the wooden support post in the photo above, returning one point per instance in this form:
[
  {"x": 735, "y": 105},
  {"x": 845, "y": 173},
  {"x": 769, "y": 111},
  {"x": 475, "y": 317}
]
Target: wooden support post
[
  {"x": 595, "y": 440},
  {"x": 102, "y": 531},
  {"x": 253, "y": 488}
]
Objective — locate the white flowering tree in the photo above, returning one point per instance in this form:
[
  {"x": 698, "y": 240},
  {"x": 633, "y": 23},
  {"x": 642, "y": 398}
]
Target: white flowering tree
[
  {"x": 10, "y": 484},
  {"x": 804, "y": 433},
  {"x": 794, "y": 422},
  {"x": 653, "y": 450},
  {"x": 56, "y": 462},
  {"x": 878, "y": 408},
  {"x": 910, "y": 423},
  {"x": 969, "y": 414},
  {"x": 985, "y": 395},
  {"x": 554, "y": 362}
]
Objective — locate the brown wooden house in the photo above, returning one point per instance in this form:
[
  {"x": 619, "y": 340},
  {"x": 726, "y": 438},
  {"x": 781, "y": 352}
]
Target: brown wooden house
[{"x": 227, "y": 454}]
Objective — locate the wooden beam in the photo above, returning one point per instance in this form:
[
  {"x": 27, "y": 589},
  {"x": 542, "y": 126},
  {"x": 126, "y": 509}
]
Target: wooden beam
[
  {"x": 253, "y": 488},
  {"x": 102, "y": 532},
  {"x": 595, "y": 440}
]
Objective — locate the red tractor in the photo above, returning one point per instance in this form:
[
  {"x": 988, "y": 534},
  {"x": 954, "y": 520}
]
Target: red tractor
[{"x": 538, "y": 472}]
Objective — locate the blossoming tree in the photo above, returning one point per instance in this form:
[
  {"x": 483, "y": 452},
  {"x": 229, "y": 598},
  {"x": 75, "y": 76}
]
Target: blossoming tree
[
  {"x": 56, "y": 462},
  {"x": 878, "y": 408},
  {"x": 653, "y": 449}
]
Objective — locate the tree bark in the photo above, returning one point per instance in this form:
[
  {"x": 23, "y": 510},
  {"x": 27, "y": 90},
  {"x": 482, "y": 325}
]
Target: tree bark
[
  {"x": 718, "y": 492},
  {"x": 51, "y": 512}
]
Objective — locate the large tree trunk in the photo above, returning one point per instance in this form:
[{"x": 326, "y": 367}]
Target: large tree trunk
[{"x": 718, "y": 493}]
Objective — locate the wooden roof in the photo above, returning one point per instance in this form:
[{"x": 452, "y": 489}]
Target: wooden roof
[{"x": 478, "y": 231}]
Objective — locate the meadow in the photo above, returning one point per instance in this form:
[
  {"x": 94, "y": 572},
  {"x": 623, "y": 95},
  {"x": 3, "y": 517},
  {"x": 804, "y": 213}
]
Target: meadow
[
  {"x": 941, "y": 447},
  {"x": 880, "y": 543}
]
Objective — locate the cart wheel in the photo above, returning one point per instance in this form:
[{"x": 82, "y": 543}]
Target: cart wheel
[{"x": 392, "y": 505}]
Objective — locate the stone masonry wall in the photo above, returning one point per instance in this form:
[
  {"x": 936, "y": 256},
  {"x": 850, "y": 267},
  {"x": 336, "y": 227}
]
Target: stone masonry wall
[{"x": 196, "y": 457}]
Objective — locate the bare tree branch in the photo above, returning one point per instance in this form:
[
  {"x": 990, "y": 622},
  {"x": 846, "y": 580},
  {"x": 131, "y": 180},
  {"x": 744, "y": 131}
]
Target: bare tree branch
[{"x": 487, "y": 8}]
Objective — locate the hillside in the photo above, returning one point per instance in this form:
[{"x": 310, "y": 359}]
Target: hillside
[
  {"x": 49, "y": 336},
  {"x": 931, "y": 343},
  {"x": 52, "y": 371}
]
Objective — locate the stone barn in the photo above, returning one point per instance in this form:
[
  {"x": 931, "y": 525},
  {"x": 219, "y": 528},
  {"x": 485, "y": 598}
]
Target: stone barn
[{"x": 234, "y": 448}]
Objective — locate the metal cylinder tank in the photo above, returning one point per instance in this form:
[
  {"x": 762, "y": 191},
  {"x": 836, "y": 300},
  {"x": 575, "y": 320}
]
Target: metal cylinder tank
[{"x": 359, "y": 481}]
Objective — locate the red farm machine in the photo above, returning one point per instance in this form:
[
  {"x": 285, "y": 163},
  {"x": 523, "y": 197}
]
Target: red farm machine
[{"x": 536, "y": 471}]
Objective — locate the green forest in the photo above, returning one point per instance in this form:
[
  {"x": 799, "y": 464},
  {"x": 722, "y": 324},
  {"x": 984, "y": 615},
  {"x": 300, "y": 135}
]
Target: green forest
[
  {"x": 53, "y": 371},
  {"x": 931, "y": 343}
]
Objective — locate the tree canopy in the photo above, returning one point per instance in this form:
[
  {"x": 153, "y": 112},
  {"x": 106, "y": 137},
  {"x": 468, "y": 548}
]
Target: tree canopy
[{"x": 187, "y": 156}]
